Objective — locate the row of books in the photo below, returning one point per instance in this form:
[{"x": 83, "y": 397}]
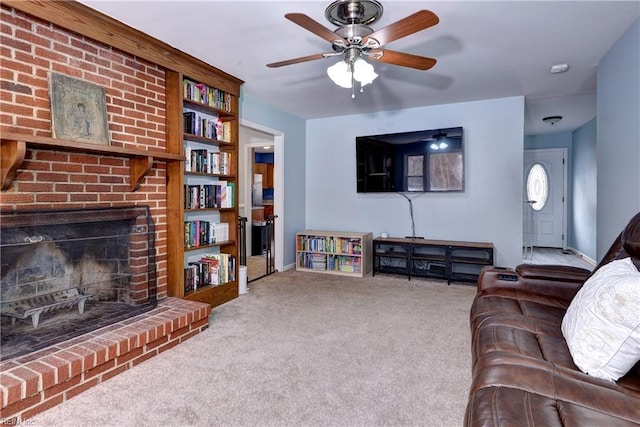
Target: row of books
[
  {"x": 207, "y": 161},
  {"x": 330, "y": 262},
  {"x": 210, "y": 270},
  {"x": 199, "y": 92},
  {"x": 197, "y": 124},
  {"x": 339, "y": 245},
  {"x": 199, "y": 233},
  {"x": 220, "y": 194}
]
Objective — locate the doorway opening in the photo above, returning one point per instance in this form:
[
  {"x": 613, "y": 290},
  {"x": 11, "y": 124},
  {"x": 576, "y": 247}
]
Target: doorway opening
[
  {"x": 545, "y": 186},
  {"x": 544, "y": 222},
  {"x": 261, "y": 197}
]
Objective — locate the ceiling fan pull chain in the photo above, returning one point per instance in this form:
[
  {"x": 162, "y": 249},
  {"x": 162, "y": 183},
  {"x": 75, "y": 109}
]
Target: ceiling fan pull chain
[{"x": 353, "y": 82}]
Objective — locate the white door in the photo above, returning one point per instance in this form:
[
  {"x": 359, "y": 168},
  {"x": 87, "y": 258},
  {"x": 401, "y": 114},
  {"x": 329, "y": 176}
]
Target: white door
[{"x": 544, "y": 189}]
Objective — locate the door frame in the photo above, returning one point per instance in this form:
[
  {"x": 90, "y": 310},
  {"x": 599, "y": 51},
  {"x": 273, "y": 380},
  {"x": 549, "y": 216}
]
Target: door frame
[
  {"x": 278, "y": 183},
  {"x": 565, "y": 178}
]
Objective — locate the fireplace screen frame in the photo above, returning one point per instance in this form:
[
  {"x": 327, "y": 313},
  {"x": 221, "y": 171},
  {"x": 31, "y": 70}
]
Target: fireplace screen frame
[{"x": 61, "y": 263}]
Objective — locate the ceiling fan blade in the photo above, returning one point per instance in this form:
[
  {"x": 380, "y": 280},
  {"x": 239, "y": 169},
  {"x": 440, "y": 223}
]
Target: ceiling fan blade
[
  {"x": 297, "y": 60},
  {"x": 403, "y": 59},
  {"x": 318, "y": 29},
  {"x": 419, "y": 21}
]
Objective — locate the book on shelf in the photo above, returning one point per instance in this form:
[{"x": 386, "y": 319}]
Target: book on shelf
[
  {"x": 199, "y": 233},
  {"x": 200, "y": 125},
  {"x": 216, "y": 195},
  {"x": 204, "y": 94},
  {"x": 201, "y": 273},
  {"x": 226, "y": 266},
  {"x": 343, "y": 245},
  {"x": 207, "y": 161}
]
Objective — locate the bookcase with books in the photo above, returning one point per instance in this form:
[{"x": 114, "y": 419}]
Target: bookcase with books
[
  {"x": 334, "y": 252},
  {"x": 202, "y": 209}
]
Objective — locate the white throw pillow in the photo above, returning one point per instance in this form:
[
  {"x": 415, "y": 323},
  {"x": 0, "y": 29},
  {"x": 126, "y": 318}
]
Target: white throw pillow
[{"x": 602, "y": 324}]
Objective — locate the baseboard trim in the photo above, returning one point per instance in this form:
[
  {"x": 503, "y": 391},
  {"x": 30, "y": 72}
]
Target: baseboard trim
[{"x": 583, "y": 256}]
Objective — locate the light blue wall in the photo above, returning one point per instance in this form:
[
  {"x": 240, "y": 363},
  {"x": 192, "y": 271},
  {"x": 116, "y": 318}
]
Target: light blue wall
[
  {"x": 548, "y": 140},
  {"x": 618, "y": 129},
  {"x": 490, "y": 208},
  {"x": 582, "y": 224},
  {"x": 293, "y": 128},
  {"x": 320, "y": 179}
]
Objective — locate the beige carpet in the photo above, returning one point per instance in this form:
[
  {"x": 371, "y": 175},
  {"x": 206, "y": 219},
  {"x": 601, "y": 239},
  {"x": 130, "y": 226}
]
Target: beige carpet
[{"x": 302, "y": 349}]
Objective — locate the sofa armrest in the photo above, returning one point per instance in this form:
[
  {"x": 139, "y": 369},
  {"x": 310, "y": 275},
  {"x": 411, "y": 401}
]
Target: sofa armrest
[{"x": 501, "y": 278}]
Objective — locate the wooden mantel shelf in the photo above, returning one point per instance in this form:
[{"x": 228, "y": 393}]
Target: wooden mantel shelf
[{"x": 14, "y": 147}]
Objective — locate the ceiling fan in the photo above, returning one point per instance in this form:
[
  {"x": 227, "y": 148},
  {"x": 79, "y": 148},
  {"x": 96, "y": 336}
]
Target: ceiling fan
[{"x": 355, "y": 40}]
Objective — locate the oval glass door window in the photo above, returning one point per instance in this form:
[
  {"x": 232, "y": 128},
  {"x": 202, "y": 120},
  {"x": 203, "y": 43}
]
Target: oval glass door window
[{"x": 537, "y": 186}]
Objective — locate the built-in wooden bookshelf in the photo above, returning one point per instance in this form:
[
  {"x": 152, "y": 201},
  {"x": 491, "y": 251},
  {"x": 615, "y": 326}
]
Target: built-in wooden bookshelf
[
  {"x": 202, "y": 125},
  {"x": 334, "y": 252}
]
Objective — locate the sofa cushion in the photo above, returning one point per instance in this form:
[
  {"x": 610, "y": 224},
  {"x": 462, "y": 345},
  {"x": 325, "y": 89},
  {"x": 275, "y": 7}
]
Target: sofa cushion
[
  {"x": 602, "y": 323},
  {"x": 505, "y": 406},
  {"x": 508, "y": 389},
  {"x": 515, "y": 302},
  {"x": 539, "y": 344}
]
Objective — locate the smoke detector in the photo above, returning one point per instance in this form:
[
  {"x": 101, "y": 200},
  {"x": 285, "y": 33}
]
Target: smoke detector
[{"x": 558, "y": 68}]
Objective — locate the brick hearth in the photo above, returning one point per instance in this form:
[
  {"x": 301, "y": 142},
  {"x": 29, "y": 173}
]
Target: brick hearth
[{"x": 41, "y": 380}]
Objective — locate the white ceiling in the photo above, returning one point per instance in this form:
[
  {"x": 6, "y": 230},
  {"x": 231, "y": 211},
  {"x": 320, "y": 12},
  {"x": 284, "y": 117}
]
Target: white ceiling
[{"x": 484, "y": 50}]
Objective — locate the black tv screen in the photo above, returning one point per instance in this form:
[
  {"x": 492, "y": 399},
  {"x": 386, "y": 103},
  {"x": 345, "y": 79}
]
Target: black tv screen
[{"x": 418, "y": 161}]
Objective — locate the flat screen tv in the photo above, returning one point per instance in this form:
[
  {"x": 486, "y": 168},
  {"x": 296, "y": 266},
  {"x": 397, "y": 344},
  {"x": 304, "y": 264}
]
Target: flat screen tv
[{"x": 418, "y": 161}]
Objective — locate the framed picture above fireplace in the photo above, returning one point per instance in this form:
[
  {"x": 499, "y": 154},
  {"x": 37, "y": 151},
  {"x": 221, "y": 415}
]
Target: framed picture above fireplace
[{"x": 78, "y": 110}]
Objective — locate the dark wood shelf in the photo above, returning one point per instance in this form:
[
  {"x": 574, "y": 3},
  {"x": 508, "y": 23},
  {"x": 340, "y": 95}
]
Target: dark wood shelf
[
  {"x": 207, "y": 141},
  {"x": 210, "y": 175},
  {"x": 208, "y": 109},
  {"x": 432, "y": 258},
  {"x": 401, "y": 255},
  {"x": 214, "y": 295},
  {"x": 14, "y": 145},
  {"x": 213, "y": 245},
  {"x": 209, "y": 210},
  {"x": 478, "y": 261}
]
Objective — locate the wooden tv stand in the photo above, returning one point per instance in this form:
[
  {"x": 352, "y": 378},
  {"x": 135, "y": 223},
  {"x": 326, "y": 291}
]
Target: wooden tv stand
[{"x": 436, "y": 259}]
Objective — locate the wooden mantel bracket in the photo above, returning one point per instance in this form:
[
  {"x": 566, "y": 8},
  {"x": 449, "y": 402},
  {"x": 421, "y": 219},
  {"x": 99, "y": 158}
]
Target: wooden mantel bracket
[
  {"x": 13, "y": 147},
  {"x": 138, "y": 169},
  {"x": 12, "y": 157}
]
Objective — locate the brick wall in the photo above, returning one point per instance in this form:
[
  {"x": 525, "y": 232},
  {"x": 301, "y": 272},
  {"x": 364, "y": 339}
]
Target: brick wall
[{"x": 135, "y": 95}]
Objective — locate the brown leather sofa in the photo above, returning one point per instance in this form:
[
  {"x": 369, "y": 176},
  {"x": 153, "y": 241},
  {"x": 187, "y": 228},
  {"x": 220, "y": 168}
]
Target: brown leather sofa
[{"x": 523, "y": 372}]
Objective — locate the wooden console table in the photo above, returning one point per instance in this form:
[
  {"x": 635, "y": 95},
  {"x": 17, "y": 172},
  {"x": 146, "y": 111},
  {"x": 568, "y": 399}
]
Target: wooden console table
[{"x": 436, "y": 259}]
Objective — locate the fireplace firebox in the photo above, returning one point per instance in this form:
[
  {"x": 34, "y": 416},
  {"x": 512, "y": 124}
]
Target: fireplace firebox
[{"x": 64, "y": 273}]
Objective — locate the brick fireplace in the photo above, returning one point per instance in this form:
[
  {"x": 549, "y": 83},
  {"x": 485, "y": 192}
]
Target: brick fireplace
[{"x": 53, "y": 179}]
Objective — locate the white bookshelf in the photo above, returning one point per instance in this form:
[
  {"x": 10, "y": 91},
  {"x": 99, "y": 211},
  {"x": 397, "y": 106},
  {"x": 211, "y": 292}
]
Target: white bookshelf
[{"x": 334, "y": 252}]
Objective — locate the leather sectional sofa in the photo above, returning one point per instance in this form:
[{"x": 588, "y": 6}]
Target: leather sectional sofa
[{"x": 523, "y": 370}]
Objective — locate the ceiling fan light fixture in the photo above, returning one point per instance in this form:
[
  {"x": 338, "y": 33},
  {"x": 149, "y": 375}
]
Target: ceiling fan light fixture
[
  {"x": 363, "y": 72},
  {"x": 552, "y": 120},
  {"x": 340, "y": 74}
]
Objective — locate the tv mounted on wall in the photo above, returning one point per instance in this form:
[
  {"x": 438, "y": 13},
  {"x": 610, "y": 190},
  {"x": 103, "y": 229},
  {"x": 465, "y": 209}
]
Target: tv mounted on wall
[{"x": 418, "y": 161}]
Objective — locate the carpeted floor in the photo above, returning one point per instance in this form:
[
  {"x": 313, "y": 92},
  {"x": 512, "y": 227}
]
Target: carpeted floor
[{"x": 302, "y": 349}]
